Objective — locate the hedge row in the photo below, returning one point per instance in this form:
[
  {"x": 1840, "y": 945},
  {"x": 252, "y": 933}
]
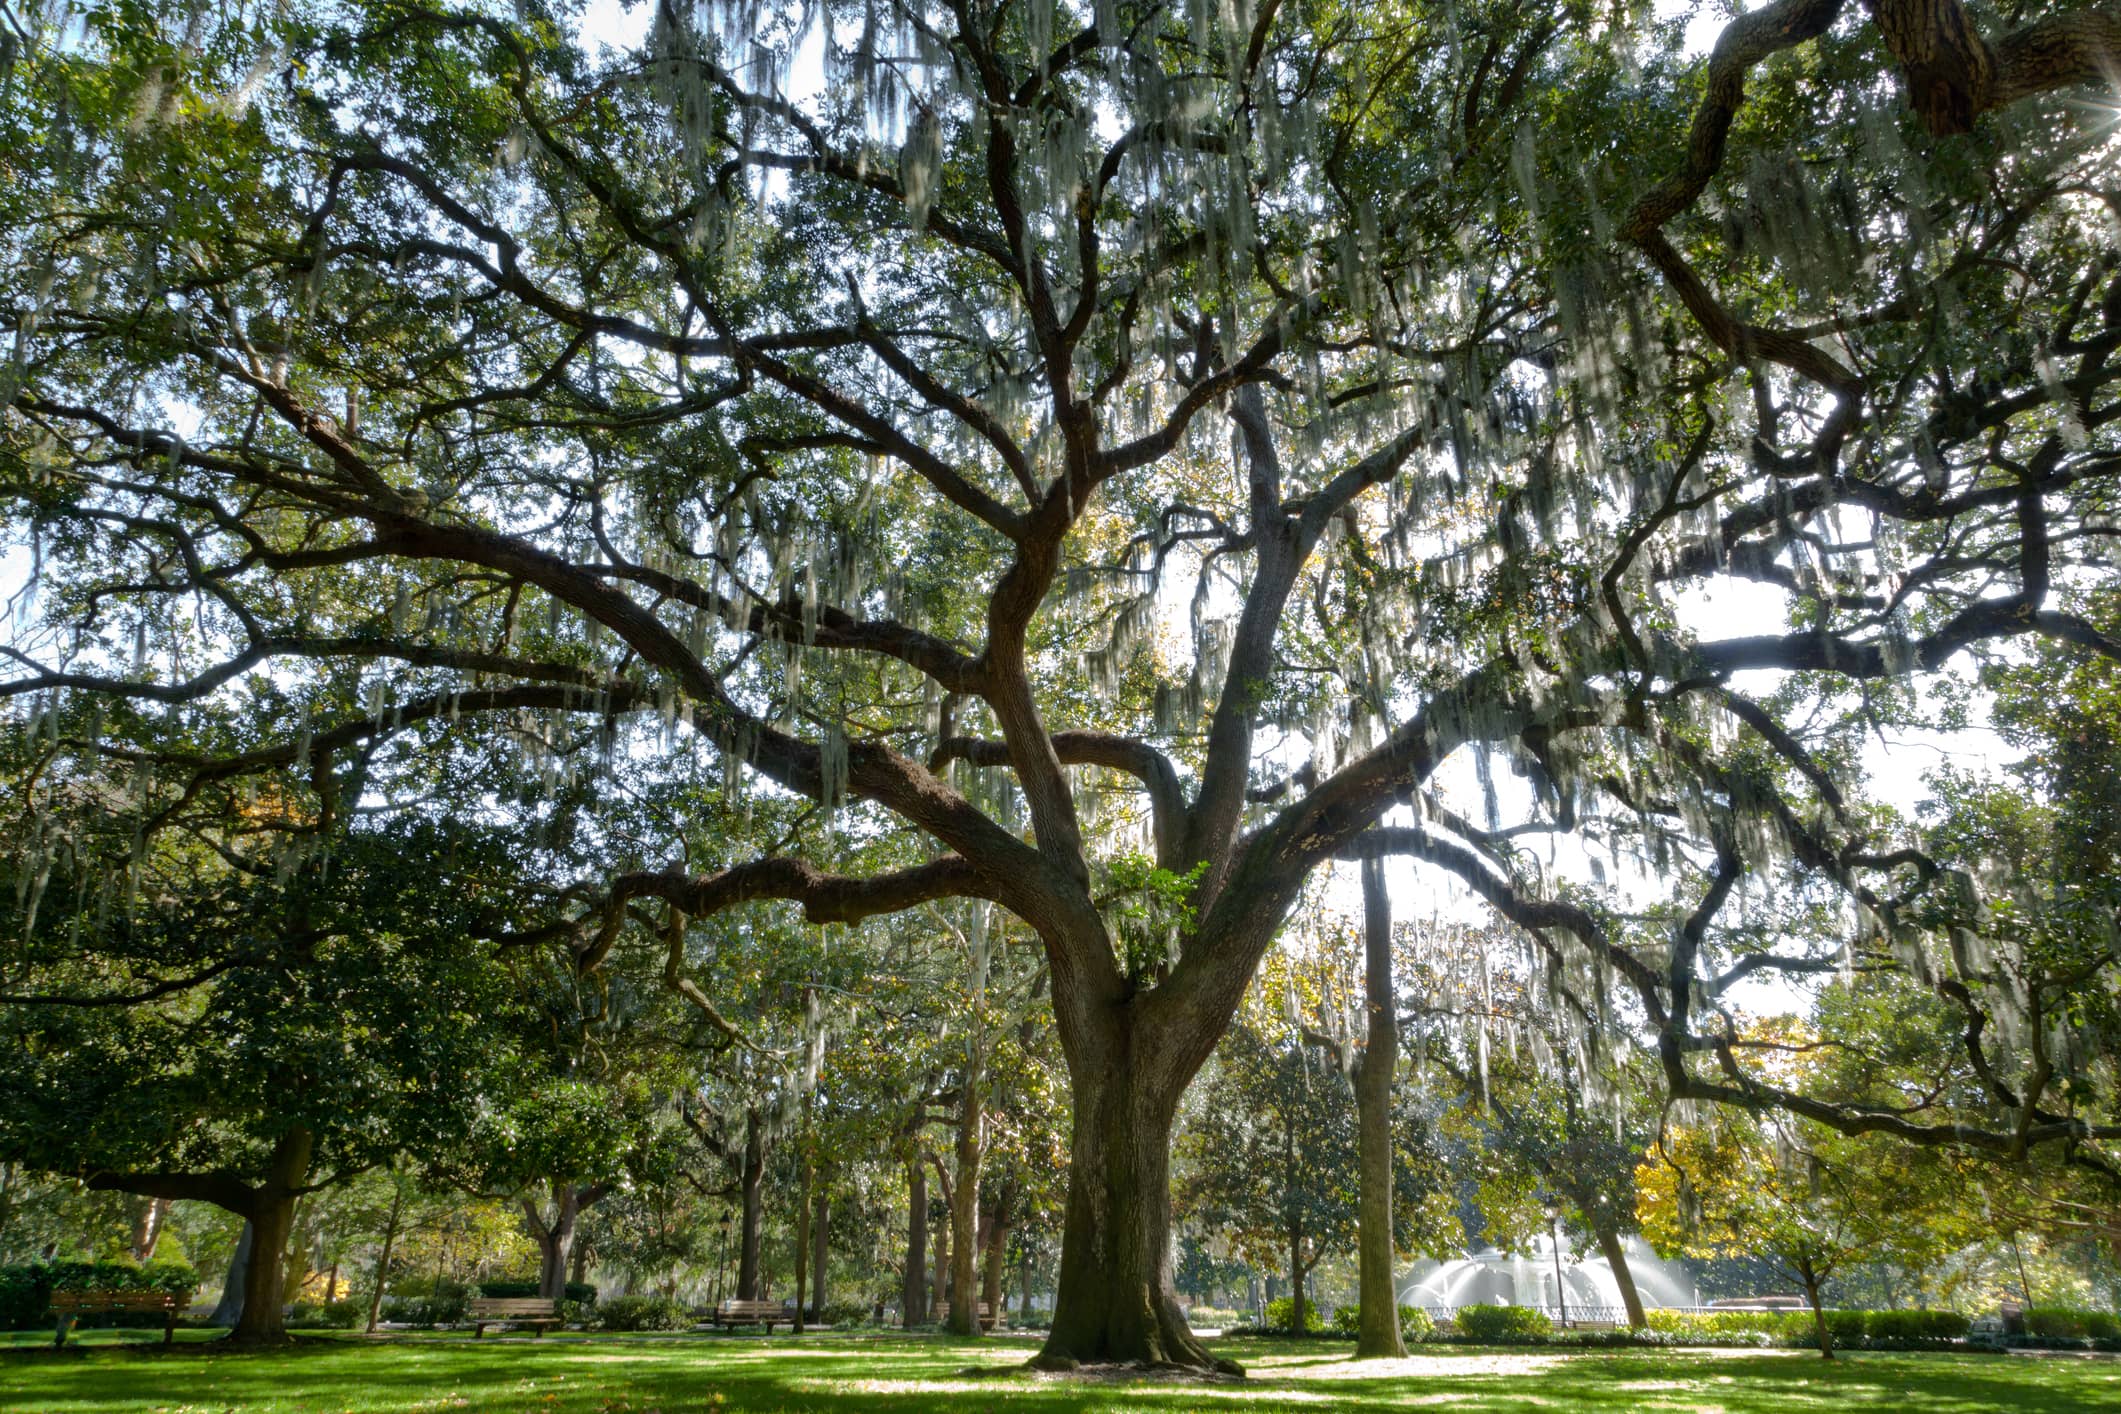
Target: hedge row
[
  {"x": 1848, "y": 1327},
  {"x": 26, "y": 1290},
  {"x": 2071, "y": 1323}
]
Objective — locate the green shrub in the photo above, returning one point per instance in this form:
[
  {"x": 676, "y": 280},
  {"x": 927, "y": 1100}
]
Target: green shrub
[
  {"x": 644, "y": 1313},
  {"x": 1414, "y": 1323},
  {"x": 26, "y": 1291},
  {"x": 1281, "y": 1315},
  {"x": 1914, "y": 1325},
  {"x": 329, "y": 1315},
  {"x": 518, "y": 1288},
  {"x": 1847, "y": 1327},
  {"x": 443, "y": 1305},
  {"x": 1214, "y": 1317},
  {"x": 1504, "y": 1323},
  {"x": 2071, "y": 1323},
  {"x": 846, "y": 1313},
  {"x": 1714, "y": 1326}
]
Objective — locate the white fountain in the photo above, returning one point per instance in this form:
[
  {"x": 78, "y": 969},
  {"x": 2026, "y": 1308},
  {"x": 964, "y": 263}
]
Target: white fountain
[{"x": 1491, "y": 1277}]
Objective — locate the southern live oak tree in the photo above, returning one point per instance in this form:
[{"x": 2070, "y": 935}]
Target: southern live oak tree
[{"x": 1007, "y": 425}]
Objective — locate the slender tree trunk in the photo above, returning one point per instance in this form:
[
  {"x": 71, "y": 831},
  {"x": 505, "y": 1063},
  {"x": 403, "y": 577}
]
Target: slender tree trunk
[
  {"x": 913, "y": 1298},
  {"x": 802, "y": 1246},
  {"x": 943, "y": 1296},
  {"x": 996, "y": 1249},
  {"x": 754, "y": 1177},
  {"x": 578, "y": 1263},
  {"x": 1810, "y": 1277},
  {"x": 1616, "y": 1257},
  {"x": 1296, "y": 1229},
  {"x": 301, "y": 1253},
  {"x": 1024, "y": 1276},
  {"x": 272, "y": 1220},
  {"x": 1297, "y": 1303},
  {"x": 230, "y": 1307},
  {"x": 820, "y": 1248},
  {"x": 1115, "y": 1300},
  {"x": 964, "y": 1205},
  {"x": 390, "y": 1238},
  {"x": 1377, "y": 1336},
  {"x": 147, "y": 1229}
]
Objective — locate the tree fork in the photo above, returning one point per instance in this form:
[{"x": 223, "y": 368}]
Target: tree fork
[{"x": 1116, "y": 1302}]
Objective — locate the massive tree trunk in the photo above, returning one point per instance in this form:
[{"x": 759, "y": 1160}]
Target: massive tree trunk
[
  {"x": 272, "y": 1220},
  {"x": 1115, "y": 1300},
  {"x": 964, "y": 1207},
  {"x": 1376, "y": 1252},
  {"x": 754, "y": 1177},
  {"x": 1616, "y": 1257},
  {"x": 913, "y": 1295}
]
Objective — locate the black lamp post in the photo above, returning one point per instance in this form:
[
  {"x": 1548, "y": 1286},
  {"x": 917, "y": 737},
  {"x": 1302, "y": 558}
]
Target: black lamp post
[{"x": 1561, "y": 1292}]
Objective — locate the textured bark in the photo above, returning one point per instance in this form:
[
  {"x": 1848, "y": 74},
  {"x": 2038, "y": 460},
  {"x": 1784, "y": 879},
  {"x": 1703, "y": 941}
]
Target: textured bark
[
  {"x": 272, "y": 1221},
  {"x": 913, "y": 1296},
  {"x": 1949, "y": 69},
  {"x": 1378, "y": 1334},
  {"x": 1953, "y": 74},
  {"x": 1115, "y": 1300},
  {"x": 754, "y": 1177},
  {"x": 1623, "y": 1276},
  {"x": 964, "y": 1206}
]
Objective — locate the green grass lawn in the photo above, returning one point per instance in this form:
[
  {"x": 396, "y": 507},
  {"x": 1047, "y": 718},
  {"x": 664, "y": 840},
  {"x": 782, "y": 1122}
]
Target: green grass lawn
[{"x": 112, "y": 1371}]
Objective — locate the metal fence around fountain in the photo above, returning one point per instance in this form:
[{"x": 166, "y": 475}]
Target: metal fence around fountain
[
  {"x": 1579, "y": 1316},
  {"x": 1589, "y": 1315}
]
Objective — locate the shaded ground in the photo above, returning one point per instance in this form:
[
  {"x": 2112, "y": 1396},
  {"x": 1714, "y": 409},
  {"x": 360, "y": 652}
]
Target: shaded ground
[{"x": 713, "y": 1374}]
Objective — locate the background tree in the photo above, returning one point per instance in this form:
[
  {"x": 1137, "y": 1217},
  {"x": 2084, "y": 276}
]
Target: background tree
[{"x": 1813, "y": 1200}]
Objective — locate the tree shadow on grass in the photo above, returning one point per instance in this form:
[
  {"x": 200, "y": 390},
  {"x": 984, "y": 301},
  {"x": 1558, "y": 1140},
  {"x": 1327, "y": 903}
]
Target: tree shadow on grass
[{"x": 924, "y": 1376}]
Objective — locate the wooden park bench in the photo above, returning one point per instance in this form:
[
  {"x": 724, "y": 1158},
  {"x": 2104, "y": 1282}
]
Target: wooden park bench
[
  {"x": 753, "y": 1313},
  {"x": 66, "y": 1305},
  {"x": 538, "y": 1311},
  {"x": 987, "y": 1317}
]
